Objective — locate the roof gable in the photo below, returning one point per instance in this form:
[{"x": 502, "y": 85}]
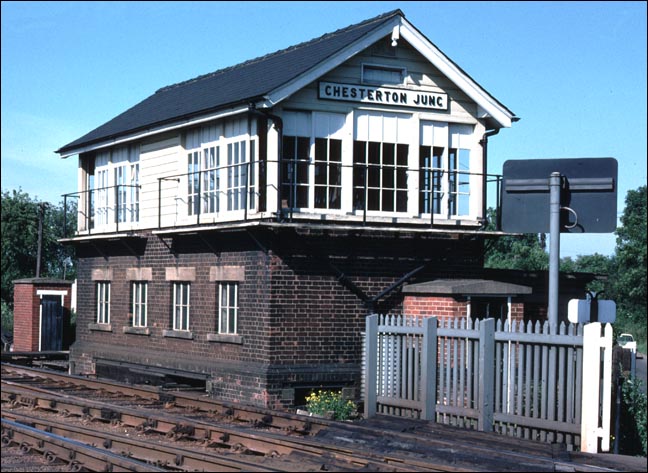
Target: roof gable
[{"x": 269, "y": 79}]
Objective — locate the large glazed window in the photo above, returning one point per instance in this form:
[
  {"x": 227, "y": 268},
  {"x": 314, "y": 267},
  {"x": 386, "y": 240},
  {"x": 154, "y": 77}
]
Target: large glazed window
[
  {"x": 221, "y": 170},
  {"x": 380, "y": 162},
  {"x": 115, "y": 187},
  {"x": 430, "y": 178},
  {"x": 312, "y": 160},
  {"x": 295, "y": 164},
  {"x": 328, "y": 173},
  {"x": 203, "y": 179},
  {"x": 445, "y": 169}
]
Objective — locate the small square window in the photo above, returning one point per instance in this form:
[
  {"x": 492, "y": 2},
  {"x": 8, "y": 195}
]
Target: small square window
[{"x": 383, "y": 75}]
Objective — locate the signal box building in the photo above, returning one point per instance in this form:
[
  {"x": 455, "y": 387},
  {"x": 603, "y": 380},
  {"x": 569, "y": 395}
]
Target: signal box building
[{"x": 237, "y": 228}]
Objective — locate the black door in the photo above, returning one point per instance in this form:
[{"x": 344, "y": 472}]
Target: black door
[{"x": 52, "y": 323}]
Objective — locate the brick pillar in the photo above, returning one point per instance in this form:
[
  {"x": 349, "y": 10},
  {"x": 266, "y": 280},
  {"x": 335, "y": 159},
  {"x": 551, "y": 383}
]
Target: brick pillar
[{"x": 27, "y": 297}]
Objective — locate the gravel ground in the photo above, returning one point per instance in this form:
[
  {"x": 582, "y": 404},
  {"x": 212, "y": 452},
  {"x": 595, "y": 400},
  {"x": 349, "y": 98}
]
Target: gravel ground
[{"x": 15, "y": 460}]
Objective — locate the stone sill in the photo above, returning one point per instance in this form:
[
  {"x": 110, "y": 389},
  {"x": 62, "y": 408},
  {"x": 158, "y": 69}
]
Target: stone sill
[
  {"x": 225, "y": 338},
  {"x": 185, "y": 334},
  {"x": 137, "y": 330},
  {"x": 100, "y": 327}
]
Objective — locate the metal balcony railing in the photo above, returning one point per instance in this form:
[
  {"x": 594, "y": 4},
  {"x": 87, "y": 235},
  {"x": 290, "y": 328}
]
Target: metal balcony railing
[
  {"x": 239, "y": 187},
  {"x": 115, "y": 200}
]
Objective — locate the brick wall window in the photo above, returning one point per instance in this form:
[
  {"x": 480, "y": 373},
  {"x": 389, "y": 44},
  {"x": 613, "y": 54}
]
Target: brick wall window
[
  {"x": 228, "y": 307},
  {"x": 489, "y": 307},
  {"x": 103, "y": 302},
  {"x": 181, "y": 293},
  {"x": 139, "y": 292}
]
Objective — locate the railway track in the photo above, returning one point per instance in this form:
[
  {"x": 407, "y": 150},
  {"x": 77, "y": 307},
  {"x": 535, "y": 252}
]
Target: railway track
[
  {"x": 271, "y": 438},
  {"x": 186, "y": 401},
  {"x": 187, "y": 431}
]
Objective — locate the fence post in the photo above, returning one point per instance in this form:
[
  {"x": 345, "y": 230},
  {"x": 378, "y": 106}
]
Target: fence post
[
  {"x": 428, "y": 368},
  {"x": 486, "y": 374},
  {"x": 371, "y": 360},
  {"x": 606, "y": 344},
  {"x": 590, "y": 430}
]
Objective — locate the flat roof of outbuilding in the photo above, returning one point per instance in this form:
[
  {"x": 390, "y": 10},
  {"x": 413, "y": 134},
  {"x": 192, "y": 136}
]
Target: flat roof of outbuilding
[{"x": 468, "y": 287}]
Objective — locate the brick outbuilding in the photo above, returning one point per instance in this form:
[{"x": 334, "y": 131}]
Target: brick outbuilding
[{"x": 42, "y": 314}]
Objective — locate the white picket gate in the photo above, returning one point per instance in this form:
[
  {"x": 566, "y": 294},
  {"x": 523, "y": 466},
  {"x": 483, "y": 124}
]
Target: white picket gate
[{"x": 519, "y": 380}]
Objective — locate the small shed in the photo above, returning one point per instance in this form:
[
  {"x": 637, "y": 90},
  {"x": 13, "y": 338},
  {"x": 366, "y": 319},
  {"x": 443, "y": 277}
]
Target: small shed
[
  {"x": 42, "y": 314},
  {"x": 475, "y": 298}
]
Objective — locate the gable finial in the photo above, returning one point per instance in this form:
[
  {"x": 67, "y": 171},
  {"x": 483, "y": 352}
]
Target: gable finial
[{"x": 395, "y": 35}]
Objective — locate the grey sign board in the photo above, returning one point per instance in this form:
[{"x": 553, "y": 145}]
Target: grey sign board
[{"x": 588, "y": 197}]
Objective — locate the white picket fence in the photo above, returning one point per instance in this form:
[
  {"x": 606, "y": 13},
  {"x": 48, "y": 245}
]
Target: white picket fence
[{"x": 519, "y": 380}]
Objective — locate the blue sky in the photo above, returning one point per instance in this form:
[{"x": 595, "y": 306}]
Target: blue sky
[{"x": 574, "y": 72}]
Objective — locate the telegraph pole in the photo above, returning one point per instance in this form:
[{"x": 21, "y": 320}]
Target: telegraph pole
[{"x": 41, "y": 212}]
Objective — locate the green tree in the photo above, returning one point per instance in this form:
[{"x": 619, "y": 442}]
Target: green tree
[
  {"x": 595, "y": 264},
  {"x": 525, "y": 252},
  {"x": 20, "y": 218},
  {"x": 627, "y": 282}
]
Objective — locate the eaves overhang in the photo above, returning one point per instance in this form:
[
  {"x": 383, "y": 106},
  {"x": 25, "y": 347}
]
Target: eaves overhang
[
  {"x": 467, "y": 287},
  {"x": 155, "y": 129}
]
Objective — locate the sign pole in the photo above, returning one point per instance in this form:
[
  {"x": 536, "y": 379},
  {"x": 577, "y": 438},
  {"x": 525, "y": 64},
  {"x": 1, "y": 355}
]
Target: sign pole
[{"x": 554, "y": 249}]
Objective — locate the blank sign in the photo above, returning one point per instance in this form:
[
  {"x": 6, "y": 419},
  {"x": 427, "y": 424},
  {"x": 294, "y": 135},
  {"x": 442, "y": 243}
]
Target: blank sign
[
  {"x": 588, "y": 195},
  {"x": 579, "y": 311}
]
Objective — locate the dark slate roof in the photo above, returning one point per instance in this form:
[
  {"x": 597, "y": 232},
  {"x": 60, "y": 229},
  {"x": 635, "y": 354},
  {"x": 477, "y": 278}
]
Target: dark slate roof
[{"x": 230, "y": 86}]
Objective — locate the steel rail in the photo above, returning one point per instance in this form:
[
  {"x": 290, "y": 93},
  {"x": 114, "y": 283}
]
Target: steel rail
[
  {"x": 177, "y": 427},
  {"x": 244, "y": 413},
  {"x": 144, "y": 451},
  {"x": 78, "y": 455}
]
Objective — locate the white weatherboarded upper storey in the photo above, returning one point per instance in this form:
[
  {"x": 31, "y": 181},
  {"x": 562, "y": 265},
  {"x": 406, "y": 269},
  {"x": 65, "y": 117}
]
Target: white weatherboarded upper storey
[{"x": 401, "y": 28}]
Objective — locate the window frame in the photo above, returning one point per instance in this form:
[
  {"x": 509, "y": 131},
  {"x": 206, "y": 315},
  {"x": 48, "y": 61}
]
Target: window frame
[
  {"x": 221, "y": 170},
  {"x": 139, "y": 303},
  {"x": 102, "y": 302},
  {"x": 228, "y": 310},
  {"x": 181, "y": 306},
  {"x": 366, "y": 67},
  {"x": 447, "y": 184},
  {"x": 114, "y": 185},
  {"x": 386, "y": 183}
]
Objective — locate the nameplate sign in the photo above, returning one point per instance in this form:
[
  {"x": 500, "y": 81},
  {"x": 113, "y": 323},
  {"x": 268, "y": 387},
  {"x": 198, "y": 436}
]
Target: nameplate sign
[{"x": 382, "y": 95}]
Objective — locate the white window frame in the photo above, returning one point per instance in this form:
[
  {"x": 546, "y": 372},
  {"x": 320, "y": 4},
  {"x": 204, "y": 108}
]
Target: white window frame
[
  {"x": 454, "y": 195},
  {"x": 222, "y": 161},
  {"x": 380, "y": 127},
  {"x": 459, "y": 182},
  {"x": 103, "y": 302},
  {"x": 302, "y": 177},
  {"x": 117, "y": 168},
  {"x": 368, "y": 67},
  {"x": 126, "y": 175},
  {"x": 181, "y": 306},
  {"x": 236, "y": 174},
  {"x": 228, "y": 308},
  {"x": 139, "y": 303}
]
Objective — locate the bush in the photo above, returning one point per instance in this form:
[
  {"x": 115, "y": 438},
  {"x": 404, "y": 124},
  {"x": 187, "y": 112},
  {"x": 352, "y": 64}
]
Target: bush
[
  {"x": 633, "y": 419},
  {"x": 327, "y": 403},
  {"x": 7, "y": 318}
]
